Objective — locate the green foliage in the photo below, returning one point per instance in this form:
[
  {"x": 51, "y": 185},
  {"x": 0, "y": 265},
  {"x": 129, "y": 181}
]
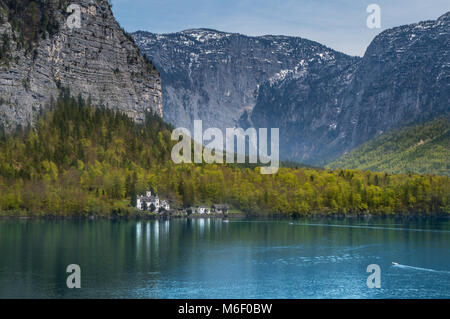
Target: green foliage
[
  {"x": 422, "y": 148},
  {"x": 5, "y": 50},
  {"x": 78, "y": 160},
  {"x": 33, "y": 19}
]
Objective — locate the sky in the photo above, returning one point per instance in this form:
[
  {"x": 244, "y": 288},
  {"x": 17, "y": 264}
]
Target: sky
[{"x": 339, "y": 24}]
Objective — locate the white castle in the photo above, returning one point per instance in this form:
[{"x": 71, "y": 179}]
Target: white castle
[{"x": 151, "y": 203}]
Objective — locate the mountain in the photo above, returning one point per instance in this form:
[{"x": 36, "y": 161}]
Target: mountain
[
  {"x": 421, "y": 148},
  {"x": 403, "y": 78},
  {"x": 40, "y": 54},
  {"x": 214, "y": 76},
  {"x": 324, "y": 102}
]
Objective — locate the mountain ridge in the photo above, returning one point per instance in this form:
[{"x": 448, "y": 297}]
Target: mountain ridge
[
  {"x": 214, "y": 75},
  {"x": 325, "y": 102},
  {"x": 402, "y": 78}
]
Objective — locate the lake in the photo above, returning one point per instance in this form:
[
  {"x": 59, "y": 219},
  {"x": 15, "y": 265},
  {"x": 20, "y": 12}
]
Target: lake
[{"x": 213, "y": 258}]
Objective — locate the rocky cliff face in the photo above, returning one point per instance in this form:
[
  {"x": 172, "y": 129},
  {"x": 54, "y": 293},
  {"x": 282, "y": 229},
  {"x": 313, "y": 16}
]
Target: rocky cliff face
[
  {"x": 404, "y": 77},
  {"x": 324, "y": 102},
  {"x": 97, "y": 61},
  {"x": 304, "y": 104},
  {"x": 214, "y": 76}
]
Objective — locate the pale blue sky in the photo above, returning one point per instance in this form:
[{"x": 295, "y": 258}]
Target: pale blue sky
[{"x": 339, "y": 24}]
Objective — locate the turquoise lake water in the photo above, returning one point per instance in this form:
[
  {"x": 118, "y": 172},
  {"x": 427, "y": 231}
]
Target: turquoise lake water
[{"x": 213, "y": 258}]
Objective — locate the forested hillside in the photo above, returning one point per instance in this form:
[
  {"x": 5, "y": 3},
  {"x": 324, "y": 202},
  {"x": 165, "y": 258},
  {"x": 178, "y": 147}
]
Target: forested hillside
[
  {"x": 80, "y": 161},
  {"x": 422, "y": 148}
]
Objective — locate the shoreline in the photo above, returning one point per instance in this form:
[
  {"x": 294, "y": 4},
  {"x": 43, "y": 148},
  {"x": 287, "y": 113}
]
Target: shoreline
[{"x": 241, "y": 215}]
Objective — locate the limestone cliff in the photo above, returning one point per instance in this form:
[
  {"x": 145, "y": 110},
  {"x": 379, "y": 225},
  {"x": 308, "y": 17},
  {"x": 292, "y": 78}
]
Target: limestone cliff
[{"x": 41, "y": 53}]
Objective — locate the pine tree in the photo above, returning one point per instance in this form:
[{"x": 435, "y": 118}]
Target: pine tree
[{"x": 133, "y": 200}]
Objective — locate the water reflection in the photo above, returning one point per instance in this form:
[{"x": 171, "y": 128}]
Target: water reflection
[{"x": 211, "y": 258}]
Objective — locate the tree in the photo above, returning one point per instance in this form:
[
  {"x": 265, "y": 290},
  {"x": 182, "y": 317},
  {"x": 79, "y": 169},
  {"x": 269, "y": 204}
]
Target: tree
[{"x": 131, "y": 188}]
